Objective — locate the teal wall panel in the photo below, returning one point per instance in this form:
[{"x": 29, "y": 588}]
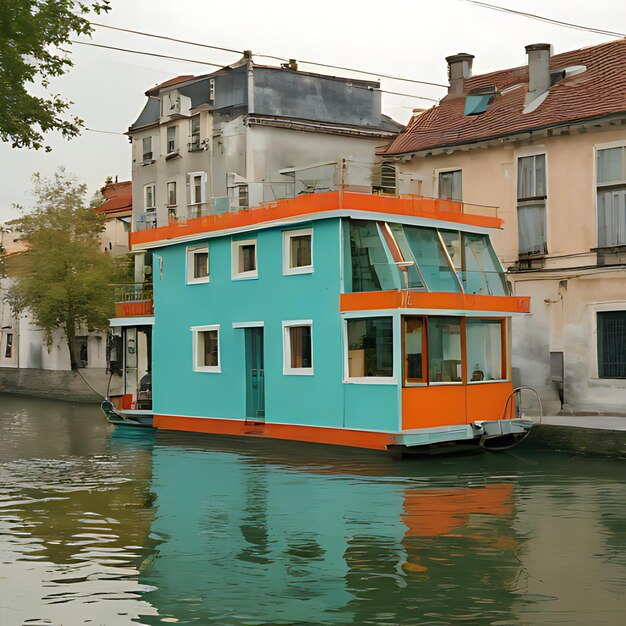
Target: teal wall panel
[{"x": 272, "y": 298}]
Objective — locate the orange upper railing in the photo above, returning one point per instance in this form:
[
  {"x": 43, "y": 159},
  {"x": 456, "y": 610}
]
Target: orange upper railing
[{"x": 309, "y": 205}]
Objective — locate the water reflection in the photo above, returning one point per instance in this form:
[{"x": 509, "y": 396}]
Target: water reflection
[{"x": 124, "y": 527}]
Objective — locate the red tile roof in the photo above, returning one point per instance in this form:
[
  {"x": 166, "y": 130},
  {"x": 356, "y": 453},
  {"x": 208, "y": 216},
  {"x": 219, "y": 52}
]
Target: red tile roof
[
  {"x": 169, "y": 83},
  {"x": 117, "y": 197},
  {"x": 599, "y": 91}
]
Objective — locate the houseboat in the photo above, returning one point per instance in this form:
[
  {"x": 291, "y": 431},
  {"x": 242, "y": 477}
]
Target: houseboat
[{"x": 337, "y": 317}]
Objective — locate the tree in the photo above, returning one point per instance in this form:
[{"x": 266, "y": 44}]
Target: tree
[
  {"x": 64, "y": 280},
  {"x": 34, "y": 35}
]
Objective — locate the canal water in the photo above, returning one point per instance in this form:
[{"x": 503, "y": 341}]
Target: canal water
[{"x": 109, "y": 527}]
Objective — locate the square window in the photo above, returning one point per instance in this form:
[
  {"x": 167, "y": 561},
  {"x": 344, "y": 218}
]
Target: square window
[
  {"x": 298, "y": 347},
  {"x": 206, "y": 353},
  {"x": 370, "y": 349},
  {"x": 244, "y": 259},
  {"x": 298, "y": 251},
  {"x": 198, "y": 265}
]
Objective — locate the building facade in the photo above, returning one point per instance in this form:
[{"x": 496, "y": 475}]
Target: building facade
[
  {"x": 248, "y": 134},
  {"x": 546, "y": 143}
]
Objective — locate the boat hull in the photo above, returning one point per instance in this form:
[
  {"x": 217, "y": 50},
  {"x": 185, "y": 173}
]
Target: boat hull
[{"x": 491, "y": 435}]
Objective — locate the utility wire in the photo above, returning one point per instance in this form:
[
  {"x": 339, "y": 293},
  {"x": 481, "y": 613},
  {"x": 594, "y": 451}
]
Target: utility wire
[
  {"x": 268, "y": 56},
  {"x": 149, "y": 54},
  {"x": 106, "y": 132},
  {"x": 221, "y": 65},
  {"x": 541, "y": 18},
  {"x": 164, "y": 37}
]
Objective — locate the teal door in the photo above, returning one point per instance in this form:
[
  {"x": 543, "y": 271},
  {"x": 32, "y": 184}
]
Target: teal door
[{"x": 255, "y": 375}]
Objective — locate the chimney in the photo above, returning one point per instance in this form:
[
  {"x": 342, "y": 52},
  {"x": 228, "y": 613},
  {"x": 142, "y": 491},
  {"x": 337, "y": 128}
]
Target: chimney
[
  {"x": 459, "y": 68},
  {"x": 538, "y": 69}
]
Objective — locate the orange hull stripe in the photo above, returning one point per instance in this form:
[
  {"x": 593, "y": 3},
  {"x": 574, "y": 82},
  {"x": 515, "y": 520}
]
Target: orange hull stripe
[
  {"x": 378, "y": 300},
  {"x": 311, "y": 204},
  {"x": 333, "y": 436}
]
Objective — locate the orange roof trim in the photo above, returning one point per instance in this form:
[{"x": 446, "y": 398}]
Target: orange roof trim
[{"x": 312, "y": 205}]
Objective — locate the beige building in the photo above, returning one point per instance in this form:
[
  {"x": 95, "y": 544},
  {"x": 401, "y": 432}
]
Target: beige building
[{"x": 544, "y": 144}]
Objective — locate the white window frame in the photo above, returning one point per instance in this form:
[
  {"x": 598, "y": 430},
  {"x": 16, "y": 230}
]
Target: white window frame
[
  {"x": 191, "y": 252},
  {"x": 143, "y": 149},
  {"x": 446, "y": 170},
  {"x": 167, "y": 141},
  {"x": 193, "y": 201},
  {"x": 235, "y": 273},
  {"x": 370, "y": 380},
  {"x": 619, "y": 143},
  {"x": 167, "y": 193},
  {"x": 287, "y": 237},
  {"x": 145, "y": 197},
  {"x": 215, "y": 369},
  {"x": 594, "y": 366},
  {"x": 534, "y": 151},
  {"x": 288, "y": 370},
  {"x": 192, "y": 120}
]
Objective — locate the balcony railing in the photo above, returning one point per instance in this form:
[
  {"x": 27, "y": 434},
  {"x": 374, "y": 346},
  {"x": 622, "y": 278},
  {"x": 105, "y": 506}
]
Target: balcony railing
[
  {"x": 133, "y": 292},
  {"x": 344, "y": 175}
]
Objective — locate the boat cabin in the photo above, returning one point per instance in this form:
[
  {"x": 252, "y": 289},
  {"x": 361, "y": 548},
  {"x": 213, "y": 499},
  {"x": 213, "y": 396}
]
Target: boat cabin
[{"x": 336, "y": 317}]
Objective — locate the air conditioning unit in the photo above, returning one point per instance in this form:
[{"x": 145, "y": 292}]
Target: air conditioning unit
[{"x": 150, "y": 220}]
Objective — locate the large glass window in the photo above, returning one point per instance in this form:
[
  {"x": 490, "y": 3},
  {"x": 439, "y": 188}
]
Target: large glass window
[
  {"x": 612, "y": 344},
  {"x": 611, "y": 193},
  {"x": 414, "y": 350},
  {"x": 371, "y": 267},
  {"x": 531, "y": 204},
  {"x": 370, "y": 347},
  {"x": 444, "y": 349},
  {"x": 431, "y": 259},
  {"x": 476, "y": 263},
  {"x": 484, "y": 350}
]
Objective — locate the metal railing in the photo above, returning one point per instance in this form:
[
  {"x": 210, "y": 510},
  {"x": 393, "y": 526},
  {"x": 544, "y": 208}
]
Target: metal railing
[
  {"x": 133, "y": 292},
  {"x": 344, "y": 175}
]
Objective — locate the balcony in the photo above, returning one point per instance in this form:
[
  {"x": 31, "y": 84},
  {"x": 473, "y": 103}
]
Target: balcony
[
  {"x": 134, "y": 300},
  {"x": 322, "y": 184}
]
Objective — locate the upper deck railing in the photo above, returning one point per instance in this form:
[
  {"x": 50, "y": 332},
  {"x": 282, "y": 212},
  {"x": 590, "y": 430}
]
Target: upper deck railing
[{"x": 344, "y": 176}]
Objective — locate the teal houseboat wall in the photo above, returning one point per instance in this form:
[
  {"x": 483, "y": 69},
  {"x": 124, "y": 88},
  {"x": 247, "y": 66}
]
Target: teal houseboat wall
[{"x": 321, "y": 399}]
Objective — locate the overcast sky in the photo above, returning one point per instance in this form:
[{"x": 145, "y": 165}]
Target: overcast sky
[{"x": 405, "y": 38}]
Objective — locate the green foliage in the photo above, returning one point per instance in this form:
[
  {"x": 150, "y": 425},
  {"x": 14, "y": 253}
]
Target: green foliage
[
  {"x": 65, "y": 280},
  {"x": 34, "y": 35}
]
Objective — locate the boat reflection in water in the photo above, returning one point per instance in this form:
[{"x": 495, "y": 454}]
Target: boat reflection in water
[{"x": 250, "y": 534}]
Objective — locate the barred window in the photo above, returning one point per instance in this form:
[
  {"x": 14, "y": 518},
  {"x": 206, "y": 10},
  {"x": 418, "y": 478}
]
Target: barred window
[{"x": 612, "y": 344}]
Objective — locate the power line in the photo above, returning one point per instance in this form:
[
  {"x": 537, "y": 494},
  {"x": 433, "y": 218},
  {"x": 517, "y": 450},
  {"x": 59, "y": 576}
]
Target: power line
[
  {"x": 148, "y": 54},
  {"x": 106, "y": 132},
  {"x": 164, "y": 37},
  {"x": 541, "y": 18},
  {"x": 221, "y": 65},
  {"x": 268, "y": 56}
]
